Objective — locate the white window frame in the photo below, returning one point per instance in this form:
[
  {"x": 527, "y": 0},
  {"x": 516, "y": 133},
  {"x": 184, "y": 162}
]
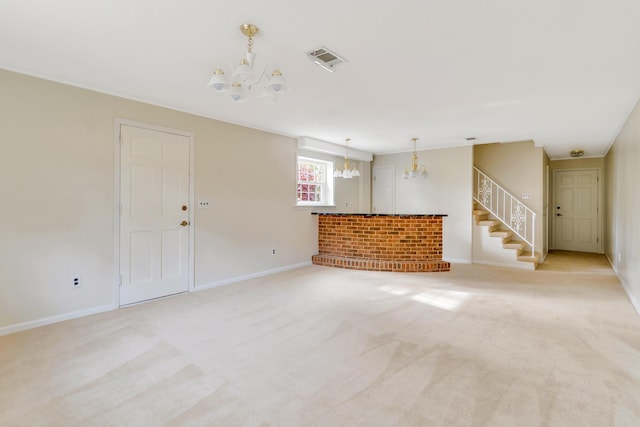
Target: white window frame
[{"x": 327, "y": 193}]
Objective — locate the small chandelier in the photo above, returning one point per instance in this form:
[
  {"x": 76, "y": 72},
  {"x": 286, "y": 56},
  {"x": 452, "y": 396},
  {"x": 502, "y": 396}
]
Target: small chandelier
[
  {"x": 239, "y": 81},
  {"x": 347, "y": 173},
  {"x": 415, "y": 171}
]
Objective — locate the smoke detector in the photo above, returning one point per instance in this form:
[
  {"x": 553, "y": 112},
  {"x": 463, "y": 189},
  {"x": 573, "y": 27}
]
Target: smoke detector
[{"x": 325, "y": 58}]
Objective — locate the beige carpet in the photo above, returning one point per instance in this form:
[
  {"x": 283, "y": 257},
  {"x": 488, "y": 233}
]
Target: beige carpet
[{"x": 477, "y": 346}]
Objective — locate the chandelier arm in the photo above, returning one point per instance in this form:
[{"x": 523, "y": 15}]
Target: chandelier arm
[{"x": 228, "y": 66}]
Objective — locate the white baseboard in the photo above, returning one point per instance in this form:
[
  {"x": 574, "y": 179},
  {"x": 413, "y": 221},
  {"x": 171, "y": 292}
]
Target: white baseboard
[
  {"x": 6, "y": 330},
  {"x": 635, "y": 302},
  {"x": 251, "y": 276},
  {"x": 520, "y": 266},
  {"x": 458, "y": 261}
]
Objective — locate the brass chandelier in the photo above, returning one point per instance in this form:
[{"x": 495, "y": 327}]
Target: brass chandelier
[
  {"x": 238, "y": 82},
  {"x": 415, "y": 171}
]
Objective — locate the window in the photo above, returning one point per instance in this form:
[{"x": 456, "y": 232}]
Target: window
[{"x": 314, "y": 182}]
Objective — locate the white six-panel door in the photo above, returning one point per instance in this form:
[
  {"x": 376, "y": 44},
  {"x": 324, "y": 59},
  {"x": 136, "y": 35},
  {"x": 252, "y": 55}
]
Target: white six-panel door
[
  {"x": 383, "y": 191},
  {"x": 576, "y": 210},
  {"x": 154, "y": 218}
]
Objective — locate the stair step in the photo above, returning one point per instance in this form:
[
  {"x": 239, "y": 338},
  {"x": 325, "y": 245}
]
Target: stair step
[
  {"x": 501, "y": 233},
  {"x": 489, "y": 222},
  {"x": 528, "y": 257},
  {"x": 480, "y": 212},
  {"x": 514, "y": 244}
]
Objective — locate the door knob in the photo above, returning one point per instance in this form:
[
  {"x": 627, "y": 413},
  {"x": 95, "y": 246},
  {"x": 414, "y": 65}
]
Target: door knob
[
  {"x": 184, "y": 223},
  {"x": 558, "y": 214}
]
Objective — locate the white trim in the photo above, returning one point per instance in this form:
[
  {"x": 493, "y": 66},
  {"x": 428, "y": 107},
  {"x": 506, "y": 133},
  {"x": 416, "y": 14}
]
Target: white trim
[
  {"x": 522, "y": 265},
  {"x": 117, "y": 152},
  {"x": 251, "y": 276},
  {"x": 316, "y": 145},
  {"x": 627, "y": 290},
  {"x": 6, "y": 330},
  {"x": 634, "y": 301},
  {"x": 458, "y": 261},
  {"x": 596, "y": 156}
]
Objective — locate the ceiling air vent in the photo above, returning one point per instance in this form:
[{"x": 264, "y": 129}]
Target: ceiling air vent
[{"x": 325, "y": 58}]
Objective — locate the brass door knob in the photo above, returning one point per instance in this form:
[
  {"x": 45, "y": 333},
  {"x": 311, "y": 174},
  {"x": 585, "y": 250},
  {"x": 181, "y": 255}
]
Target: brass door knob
[{"x": 184, "y": 223}]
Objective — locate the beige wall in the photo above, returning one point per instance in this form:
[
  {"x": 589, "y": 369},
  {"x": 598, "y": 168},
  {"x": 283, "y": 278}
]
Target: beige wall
[
  {"x": 446, "y": 191},
  {"x": 519, "y": 168},
  {"x": 57, "y": 192},
  {"x": 623, "y": 206},
  {"x": 568, "y": 164}
]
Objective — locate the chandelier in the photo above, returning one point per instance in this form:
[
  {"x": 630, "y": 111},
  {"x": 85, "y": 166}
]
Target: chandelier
[
  {"x": 347, "y": 173},
  {"x": 415, "y": 170},
  {"x": 237, "y": 82}
]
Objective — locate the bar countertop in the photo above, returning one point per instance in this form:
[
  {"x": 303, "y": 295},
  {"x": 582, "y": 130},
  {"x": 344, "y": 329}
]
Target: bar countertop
[{"x": 375, "y": 214}]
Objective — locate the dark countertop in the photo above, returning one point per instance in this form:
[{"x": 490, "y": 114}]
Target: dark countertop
[{"x": 375, "y": 214}]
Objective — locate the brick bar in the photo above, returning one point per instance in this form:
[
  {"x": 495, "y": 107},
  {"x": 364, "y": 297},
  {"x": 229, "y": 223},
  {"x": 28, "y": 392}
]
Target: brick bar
[{"x": 403, "y": 243}]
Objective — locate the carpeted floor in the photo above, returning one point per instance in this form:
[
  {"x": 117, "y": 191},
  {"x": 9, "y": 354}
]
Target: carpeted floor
[{"x": 477, "y": 346}]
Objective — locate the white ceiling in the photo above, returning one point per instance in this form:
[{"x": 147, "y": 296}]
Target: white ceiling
[{"x": 564, "y": 73}]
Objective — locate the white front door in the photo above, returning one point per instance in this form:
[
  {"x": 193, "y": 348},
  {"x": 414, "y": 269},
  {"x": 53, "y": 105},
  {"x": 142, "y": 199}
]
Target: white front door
[
  {"x": 155, "y": 214},
  {"x": 576, "y": 210},
  {"x": 383, "y": 190}
]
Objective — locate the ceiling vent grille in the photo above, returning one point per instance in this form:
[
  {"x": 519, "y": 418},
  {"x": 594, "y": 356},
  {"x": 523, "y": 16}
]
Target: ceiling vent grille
[{"x": 325, "y": 58}]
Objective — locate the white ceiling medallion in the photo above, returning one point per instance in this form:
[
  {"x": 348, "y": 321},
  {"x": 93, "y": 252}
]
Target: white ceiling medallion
[{"x": 237, "y": 82}]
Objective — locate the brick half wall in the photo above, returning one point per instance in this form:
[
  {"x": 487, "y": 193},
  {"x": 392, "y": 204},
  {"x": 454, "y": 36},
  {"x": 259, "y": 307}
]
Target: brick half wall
[{"x": 407, "y": 243}]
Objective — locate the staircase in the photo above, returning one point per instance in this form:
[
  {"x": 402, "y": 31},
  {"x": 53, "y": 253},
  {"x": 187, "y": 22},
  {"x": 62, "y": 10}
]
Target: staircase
[
  {"x": 495, "y": 245},
  {"x": 504, "y": 232}
]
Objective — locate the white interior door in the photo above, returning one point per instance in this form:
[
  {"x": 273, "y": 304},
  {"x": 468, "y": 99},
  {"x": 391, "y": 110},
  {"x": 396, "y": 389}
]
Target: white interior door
[
  {"x": 576, "y": 210},
  {"x": 155, "y": 214},
  {"x": 383, "y": 190}
]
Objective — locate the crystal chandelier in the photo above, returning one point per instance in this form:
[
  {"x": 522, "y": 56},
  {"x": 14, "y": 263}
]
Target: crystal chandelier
[
  {"x": 237, "y": 82},
  {"x": 347, "y": 173},
  {"x": 415, "y": 170}
]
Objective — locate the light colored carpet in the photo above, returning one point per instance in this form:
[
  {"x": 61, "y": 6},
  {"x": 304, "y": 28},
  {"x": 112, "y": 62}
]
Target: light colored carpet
[{"x": 477, "y": 346}]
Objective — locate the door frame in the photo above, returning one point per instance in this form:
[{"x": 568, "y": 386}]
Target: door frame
[
  {"x": 117, "y": 152},
  {"x": 599, "y": 212}
]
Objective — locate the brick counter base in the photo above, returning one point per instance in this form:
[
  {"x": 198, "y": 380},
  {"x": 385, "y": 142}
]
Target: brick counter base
[
  {"x": 408, "y": 243},
  {"x": 380, "y": 265}
]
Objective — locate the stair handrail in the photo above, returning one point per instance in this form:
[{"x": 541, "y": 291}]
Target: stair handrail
[{"x": 518, "y": 218}]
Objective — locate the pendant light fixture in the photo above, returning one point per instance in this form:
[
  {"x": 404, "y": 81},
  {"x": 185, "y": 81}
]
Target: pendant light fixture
[
  {"x": 347, "y": 173},
  {"x": 415, "y": 170},
  {"x": 237, "y": 82}
]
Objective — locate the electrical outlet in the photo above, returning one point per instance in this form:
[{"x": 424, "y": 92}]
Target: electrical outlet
[
  {"x": 75, "y": 283},
  {"x": 273, "y": 251}
]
